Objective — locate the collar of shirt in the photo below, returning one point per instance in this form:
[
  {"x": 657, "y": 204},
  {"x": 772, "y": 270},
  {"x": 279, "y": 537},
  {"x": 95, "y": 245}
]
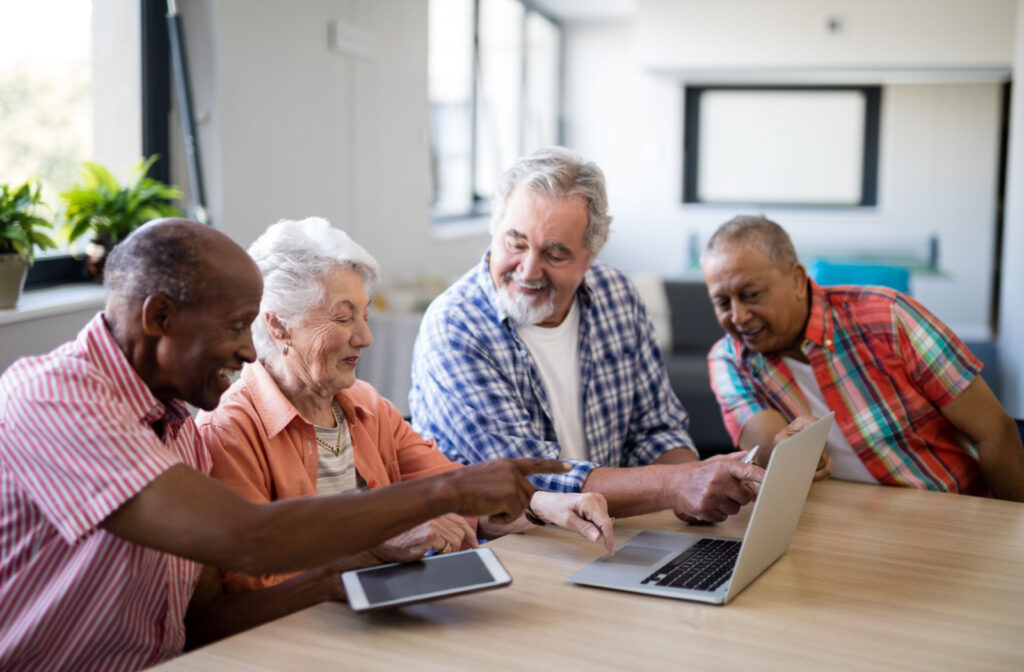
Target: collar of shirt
[
  {"x": 99, "y": 343},
  {"x": 275, "y": 410}
]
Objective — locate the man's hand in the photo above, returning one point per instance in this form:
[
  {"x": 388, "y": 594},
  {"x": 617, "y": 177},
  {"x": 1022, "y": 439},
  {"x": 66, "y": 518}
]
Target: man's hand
[
  {"x": 825, "y": 463},
  {"x": 498, "y": 487},
  {"x": 586, "y": 513},
  {"x": 444, "y": 534},
  {"x": 710, "y": 490}
]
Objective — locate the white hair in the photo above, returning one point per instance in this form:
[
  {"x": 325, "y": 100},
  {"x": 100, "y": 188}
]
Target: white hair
[
  {"x": 294, "y": 258},
  {"x": 561, "y": 173}
]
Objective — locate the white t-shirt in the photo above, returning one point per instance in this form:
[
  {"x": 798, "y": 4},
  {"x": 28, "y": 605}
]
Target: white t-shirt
[
  {"x": 847, "y": 466},
  {"x": 556, "y": 352}
]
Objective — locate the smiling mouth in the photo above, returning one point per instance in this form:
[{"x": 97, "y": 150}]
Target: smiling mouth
[{"x": 750, "y": 333}]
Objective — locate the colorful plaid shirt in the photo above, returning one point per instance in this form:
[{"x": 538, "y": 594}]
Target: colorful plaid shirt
[
  {"x": 886, "y": 366},
  {"x": 478, "y": 393}
]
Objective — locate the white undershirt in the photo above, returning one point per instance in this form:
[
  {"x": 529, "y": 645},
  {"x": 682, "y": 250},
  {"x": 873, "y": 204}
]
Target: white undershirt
[
  {"x": 847, "y": 466},
  {"x": 556, "y": 352}
]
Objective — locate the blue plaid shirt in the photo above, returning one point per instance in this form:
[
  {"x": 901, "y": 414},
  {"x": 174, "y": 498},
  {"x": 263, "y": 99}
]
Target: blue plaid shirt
[{"x": 477, "y": 392}]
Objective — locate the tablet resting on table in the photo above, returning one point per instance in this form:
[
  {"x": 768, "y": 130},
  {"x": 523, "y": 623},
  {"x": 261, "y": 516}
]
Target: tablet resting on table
[{"x": 437, "y": 576}]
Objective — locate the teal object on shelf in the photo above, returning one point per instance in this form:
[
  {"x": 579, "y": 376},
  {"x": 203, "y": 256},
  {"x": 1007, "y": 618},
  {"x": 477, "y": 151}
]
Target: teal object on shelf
[{"x": 835, "y": 273}]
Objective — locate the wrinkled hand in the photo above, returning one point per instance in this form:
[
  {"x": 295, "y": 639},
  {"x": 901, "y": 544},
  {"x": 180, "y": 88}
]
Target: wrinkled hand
[
  {"x": 586, "y": 513},
  {"x": 498, "y": 487},
  {"x": 444, "y": 534},
  {"x": 825, "y": 463},
  {"x": 710, "y": 490}
]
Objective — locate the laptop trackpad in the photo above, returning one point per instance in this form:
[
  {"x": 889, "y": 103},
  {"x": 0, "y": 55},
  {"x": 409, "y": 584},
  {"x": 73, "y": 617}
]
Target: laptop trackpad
[{"x": 636, "y": 555}]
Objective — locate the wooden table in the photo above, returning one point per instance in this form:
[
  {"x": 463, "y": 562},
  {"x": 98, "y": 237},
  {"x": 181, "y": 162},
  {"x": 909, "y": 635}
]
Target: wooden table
[{"x": 876, "y": 578}]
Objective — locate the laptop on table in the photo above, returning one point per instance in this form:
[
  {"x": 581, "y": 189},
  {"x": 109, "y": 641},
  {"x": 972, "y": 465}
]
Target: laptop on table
[{"x": 705, "y": 568}]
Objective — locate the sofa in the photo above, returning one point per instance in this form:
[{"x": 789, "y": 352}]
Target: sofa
[{"x": 694, "y": 330}]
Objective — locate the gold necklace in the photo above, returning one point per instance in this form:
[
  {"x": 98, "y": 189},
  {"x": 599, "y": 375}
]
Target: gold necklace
[{"x": 336, "y": 448}]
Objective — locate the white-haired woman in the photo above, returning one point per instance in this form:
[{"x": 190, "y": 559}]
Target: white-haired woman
[{"x": 299, "y": 423}]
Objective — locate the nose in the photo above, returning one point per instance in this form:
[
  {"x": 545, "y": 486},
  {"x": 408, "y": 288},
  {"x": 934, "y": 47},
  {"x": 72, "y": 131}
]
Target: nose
[
  {"x": 740, "y": 314},
  {"x": 362, "y": 337},
  {"x": 530, "y": 267},
  {"x": 248, "y": 351}
]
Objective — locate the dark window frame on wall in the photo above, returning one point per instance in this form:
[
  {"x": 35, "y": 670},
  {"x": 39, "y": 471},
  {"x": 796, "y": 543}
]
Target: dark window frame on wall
[
  {"x": 156, "y": 108},
  {"x": 692, "y": 142},
  {"x": 477, "y": 198}
]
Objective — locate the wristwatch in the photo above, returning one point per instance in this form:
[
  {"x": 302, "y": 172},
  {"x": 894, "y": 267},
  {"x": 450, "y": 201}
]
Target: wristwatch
[{"x": 533, "y": 517}]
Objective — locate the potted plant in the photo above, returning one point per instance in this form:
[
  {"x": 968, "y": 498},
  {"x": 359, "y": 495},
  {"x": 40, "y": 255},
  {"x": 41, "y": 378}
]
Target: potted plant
[
  {"x": 108, "y": 211},
  {"x": 19, "y": 238}
]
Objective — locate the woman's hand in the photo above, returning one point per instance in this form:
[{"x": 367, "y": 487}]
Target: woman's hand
[
  {"x": 444, "y": 534},
  {"x": 586, "y": 513}
]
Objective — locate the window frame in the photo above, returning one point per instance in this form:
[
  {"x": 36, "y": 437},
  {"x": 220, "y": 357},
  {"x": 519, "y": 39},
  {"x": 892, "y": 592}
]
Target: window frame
[
  {"x": 479, "y": 204},
  {"x": 156, "y": 109},
  {"x": 692, "y": 146}
]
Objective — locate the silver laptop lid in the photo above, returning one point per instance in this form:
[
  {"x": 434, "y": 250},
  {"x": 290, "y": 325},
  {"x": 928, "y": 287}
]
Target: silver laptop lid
[{"x": 779, "y": 503}]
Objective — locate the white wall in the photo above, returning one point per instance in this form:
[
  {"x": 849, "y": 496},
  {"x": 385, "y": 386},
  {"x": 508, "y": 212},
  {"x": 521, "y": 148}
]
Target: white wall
[
  {"x": 291, "y": 128},
  {"x": 746, "y": 35},
  {"x": 1011, "y": 323},
  {"x": 938, "y": 171}
]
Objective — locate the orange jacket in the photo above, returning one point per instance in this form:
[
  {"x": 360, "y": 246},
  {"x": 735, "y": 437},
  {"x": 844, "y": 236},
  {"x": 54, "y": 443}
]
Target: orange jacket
[{"x": 264, "y": 450}]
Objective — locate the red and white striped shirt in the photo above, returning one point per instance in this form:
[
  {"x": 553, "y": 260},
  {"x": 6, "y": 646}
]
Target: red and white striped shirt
[{"x": 77, "y": 442}]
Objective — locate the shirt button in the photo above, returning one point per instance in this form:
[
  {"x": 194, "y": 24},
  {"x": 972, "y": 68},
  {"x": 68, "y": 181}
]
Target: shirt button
[{"x": 828, "y": 342}]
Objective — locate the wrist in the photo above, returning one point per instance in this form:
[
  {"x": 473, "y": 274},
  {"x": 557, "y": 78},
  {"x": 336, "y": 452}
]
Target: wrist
[{"x": 534, "y": 511}]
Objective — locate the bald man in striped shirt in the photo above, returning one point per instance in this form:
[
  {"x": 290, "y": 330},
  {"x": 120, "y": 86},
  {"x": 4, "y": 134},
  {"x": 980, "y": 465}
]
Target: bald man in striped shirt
[{"x": 108, "y": 516}]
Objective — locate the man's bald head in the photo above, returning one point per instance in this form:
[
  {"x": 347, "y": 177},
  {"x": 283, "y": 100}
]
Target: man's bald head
[{"x": 177, "y": 258}]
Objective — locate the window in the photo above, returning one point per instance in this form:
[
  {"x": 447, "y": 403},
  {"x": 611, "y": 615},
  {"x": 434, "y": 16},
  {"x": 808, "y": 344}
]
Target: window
[
  {"x": 65, "y": 99},
  {"x": 494, "y": 80},
  {"x": 810, "y": 146}
]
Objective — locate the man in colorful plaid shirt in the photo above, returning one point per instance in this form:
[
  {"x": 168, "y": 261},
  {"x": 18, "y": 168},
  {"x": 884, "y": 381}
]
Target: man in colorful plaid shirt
[
  {"x": 540, "y": 351},
  {"x": 910, "y": 407}
]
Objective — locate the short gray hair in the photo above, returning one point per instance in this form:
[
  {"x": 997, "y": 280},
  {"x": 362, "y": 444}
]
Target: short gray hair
[
  {"x": 294, "y": 258},
  {"x": 559, "y": 172},
  {"x": 753, "y": 231},
  {"x": 161, "y": 257}
]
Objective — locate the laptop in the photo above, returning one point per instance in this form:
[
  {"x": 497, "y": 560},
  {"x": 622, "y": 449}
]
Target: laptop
[{"x": 706, "y": 568}]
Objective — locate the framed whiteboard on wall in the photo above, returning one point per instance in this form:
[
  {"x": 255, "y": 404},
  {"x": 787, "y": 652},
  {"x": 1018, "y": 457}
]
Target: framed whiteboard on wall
[{"x": 792, "y": 145}]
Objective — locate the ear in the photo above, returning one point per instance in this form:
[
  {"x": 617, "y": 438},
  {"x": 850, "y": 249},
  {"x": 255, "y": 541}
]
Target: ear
[
  {"x": 276, "y": 327},
  {"x": 158, "y": 313},
  {"x": 799, "y": 274}
]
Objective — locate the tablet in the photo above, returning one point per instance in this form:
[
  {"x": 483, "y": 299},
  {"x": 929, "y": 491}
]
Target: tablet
[{"x": 437, "y": 576}]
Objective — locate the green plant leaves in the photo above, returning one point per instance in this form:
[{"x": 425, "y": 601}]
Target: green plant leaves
[
  {"x": 102, "y": 206},
  {"x": 18, "y": 221}
]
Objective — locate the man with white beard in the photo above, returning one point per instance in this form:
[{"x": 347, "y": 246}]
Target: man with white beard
[{"x": 541, "y": 351}]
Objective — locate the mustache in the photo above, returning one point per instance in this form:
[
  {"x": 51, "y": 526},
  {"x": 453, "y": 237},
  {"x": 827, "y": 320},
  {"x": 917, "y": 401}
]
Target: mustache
[{"x": 518, "y": 279}]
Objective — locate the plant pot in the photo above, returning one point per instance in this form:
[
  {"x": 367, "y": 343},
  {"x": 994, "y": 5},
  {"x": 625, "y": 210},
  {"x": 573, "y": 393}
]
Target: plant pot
[{"x": 12, "y": 278}]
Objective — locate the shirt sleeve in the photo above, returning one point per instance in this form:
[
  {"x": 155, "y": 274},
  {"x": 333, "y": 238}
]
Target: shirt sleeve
[
  {"x": 81, "y": 455},
  {"x": 464, "y": 400},
  {"x": 734, "y": 389},
  {"x": 659, "y": 423},
  {"x": 938, "y": 362}
]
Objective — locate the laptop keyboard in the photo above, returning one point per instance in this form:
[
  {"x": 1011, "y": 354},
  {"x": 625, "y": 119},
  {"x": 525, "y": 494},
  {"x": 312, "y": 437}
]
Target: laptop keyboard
[{"x": 704, "y": 566}]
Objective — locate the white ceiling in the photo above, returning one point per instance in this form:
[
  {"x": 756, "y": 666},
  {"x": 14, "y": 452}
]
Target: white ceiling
[{"x": 570, "y": 11}]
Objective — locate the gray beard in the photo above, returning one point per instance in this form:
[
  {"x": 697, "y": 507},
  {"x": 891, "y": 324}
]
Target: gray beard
[{"x": 521, "y": 309}]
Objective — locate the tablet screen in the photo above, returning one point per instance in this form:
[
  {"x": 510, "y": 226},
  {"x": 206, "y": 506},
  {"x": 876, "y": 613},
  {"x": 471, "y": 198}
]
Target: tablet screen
[
  {"x": 436, "y": 576},
  {"x": 418, "y": 578}
]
